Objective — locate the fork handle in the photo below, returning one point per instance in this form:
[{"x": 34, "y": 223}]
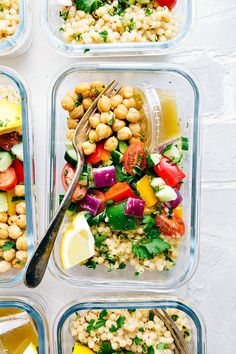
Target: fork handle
[{"x": 39, "y": 261}]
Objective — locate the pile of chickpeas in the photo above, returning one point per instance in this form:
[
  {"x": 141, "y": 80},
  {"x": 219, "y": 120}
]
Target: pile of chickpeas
[
  {"x": 118, "y": 117},
  {"x": 13, "y": 229}
]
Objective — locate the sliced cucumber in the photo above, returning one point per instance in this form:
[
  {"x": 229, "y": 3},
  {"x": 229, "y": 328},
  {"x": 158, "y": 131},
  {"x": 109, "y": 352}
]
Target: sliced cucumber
[
  {"x": 153, "y": 159},
  {"x": 71, "y": 157},
  {"x": 116, "y": 157},
  {"x": 3, "y": 202},
  {"x": 122, "y": 146},
  {"x": 173, "y": 153},
  {"x": 18, "y": 151},
  {"x": 166, "y": 194},
  {"x": 157, "y": 182},
  {"x": 5, "y": 160}
]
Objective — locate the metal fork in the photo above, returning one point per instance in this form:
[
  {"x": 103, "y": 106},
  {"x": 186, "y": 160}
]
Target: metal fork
[
  {"x": 37, "y": 266},
  {"x": 180, "y": 343}
]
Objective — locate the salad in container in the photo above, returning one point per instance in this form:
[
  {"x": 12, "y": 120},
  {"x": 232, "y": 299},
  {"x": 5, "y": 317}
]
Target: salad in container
[
  {"x": 17, "y": 223},
  {"x": 116, "y": 27},
  {"x": 126, "y": 324},
  {"x": 129, "y": 219}
]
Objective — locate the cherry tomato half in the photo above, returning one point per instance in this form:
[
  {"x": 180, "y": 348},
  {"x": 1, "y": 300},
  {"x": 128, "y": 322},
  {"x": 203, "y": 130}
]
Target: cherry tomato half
[
  {"x": 8, "y": 179},
  {"x": 169, "y": 171},
  {"x": 170, "y": 225},
  {"x": 19, "y": 169},
  {"x": 66, "y": 178},
  {"x": 169, "y": 3},
  {"x": 135, "y": 156}
]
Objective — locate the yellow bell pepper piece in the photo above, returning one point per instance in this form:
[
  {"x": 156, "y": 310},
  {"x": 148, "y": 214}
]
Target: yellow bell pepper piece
[
  {"x": 146, "y": 192},
  {"x": 81, "y": 349},
  {"x": 179, "y": 211},
  {"x": 11, "y": 204},
  {"x": 10, "y": 116}
]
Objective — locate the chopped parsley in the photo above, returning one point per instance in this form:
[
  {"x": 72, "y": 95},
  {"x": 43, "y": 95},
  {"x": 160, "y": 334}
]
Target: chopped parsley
[
  {"x": 174, "y": 317},
  {"x": 79, "y": 100},
  {"x": 162, "y": 346},
  {"x": 77, "y": 37},
  {"x": 87, "y": 5},
  {"x": 147, "y": 248},
  {"x": 131, "y": 27},
  {"x": 86, "y": 50},
  {"x": 148, "y": 11},
  {"x": 104, "y": 35},
  {"x": 92, "y": 326},
  {"x": 8, "y": 245},
  {"x": 64, "y": 15},
  {"x": 137, "y": 340},
  {"x": 119, "y": 323}
]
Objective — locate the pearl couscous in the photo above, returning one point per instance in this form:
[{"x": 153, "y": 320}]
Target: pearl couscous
[
  {"x": 9, "y": 18},
  {"x": 117, "y": 21},
  {"x": 127, "y": 331}
]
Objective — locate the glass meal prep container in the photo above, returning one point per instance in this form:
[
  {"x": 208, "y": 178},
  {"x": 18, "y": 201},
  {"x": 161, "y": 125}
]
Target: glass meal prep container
[
  {"x": 23, "y": 325},
  {"x": 19, "y": 30},
  {"x": 166, "y": 79},
  {"x": 64, "y": 342},
  {"x": 17, "y": 191},
  {"x": 52, "y": 28}
]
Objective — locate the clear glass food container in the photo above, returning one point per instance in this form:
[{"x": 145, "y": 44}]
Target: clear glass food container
[
  {"x": 51, "y": 24},
  {"x": 63, "y": 340},
  {"x": 20, "y": 41},
  {"x": 10, "y": 78},
  {"x": 164, "y": 78},
  {"x": 35, "y": 309}
]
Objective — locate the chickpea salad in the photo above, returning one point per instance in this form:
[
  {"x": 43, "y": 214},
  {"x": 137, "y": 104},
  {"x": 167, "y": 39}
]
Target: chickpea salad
[
  {"x": 127, "y": 207},
  {"x": 13, "y": 236},
  {"x": 124, "y": 21},
  {"x": 127, "y": 331},
  {"x": 9, "y": 18}
]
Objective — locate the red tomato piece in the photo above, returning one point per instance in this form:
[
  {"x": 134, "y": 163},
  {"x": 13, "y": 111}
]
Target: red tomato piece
[
  {"x": 19, "y": 169},
  {"x": 66, "y": 178},
  {"x": 169, "y": 3},
  {"x": 169, "y": 171},
  {"x": 135, "y": 156},
  {"x": 100, "y": 154},
  {"x": 170, "y": 225},
  {"x": 120, "y": 191},
  {"x": 8, "y": 179}
]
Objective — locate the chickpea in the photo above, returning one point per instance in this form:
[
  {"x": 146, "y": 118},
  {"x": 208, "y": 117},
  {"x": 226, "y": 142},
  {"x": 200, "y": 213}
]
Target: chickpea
[
  {"x": 17, "y": 264},
  {"x": 21, "y": 221},
  {"x": 70, "y": 134},
  {"x": 117, "y": 125},
  {"x": 21, "y": 243},
  {"x": 13, "y": 219},
  {"x": 3, "y": 217},
  {"x": 9, "y": 255},
  {"x": 124, "y": 134},
  {"x": 20, "y": 190},
  {"x": 135, "y": 129},
  {"x": 77, "y": 112},
  {"x": 133, "y": 115},
  {"x": 3, "y": 230},
  {"x": 107, "y": 117},
  {"x": 20, "y": 208},
  {"x": 93, "y": 136},
  {"x": 87, "y": 103},
  {"x": 104, "y": 104},
  {"x": 88, "y": 147},
  {"x": 127, "y": 92},
  {"x": 14, "y": 232},
  {"x": 22, "y": 255},
  {"x": 116, "y": 100},
  {"x": 73, "y": 95},
  {"x": 67, "y": 103},
  {"x": 103, "y": 131},
  {"x": 121, "y": 111},
  {"x": 132, "y": 140},
  {"x": 111, "y": 144},
  {"x": 130, "y": 102},
  {"x": 83, "y": 89},
  {"x": 4, "y": 266},
  {"x": 72, "y": 123},
  {"x": 96, "y": 88},
  {"x": 95, "y": 120}
]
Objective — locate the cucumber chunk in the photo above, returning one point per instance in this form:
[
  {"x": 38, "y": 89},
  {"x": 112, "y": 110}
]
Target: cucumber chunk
[
  {"x": 173, "y": 153},
  {"x": 153, "y": 159},
  {"x": 122, "y": 146},
  {"x": 18, "y": 151},
  {"x": 116, "y": 156},
  {"x": 166, "y": 194},
  {"x": 5, "y": 160},
  {"x": 157, "y": 182},
  {"x": 3, "y": 202},
  {"x": 71, "y": 157}
]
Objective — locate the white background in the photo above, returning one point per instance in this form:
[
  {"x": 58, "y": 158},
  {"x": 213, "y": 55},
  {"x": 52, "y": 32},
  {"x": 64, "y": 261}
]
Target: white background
[{"x": 210, "y": 52}]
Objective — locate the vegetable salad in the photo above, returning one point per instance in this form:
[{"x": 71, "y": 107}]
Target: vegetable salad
[
  {"x": 127, "y": 207},
  {"x": 13, "y": 236},
  {"x": 126, "y": 331},
  {"x": 125, "y": 21}
]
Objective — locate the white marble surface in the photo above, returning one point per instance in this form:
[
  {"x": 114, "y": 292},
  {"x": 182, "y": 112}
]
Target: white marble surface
[{"x": 210, "y": 52}]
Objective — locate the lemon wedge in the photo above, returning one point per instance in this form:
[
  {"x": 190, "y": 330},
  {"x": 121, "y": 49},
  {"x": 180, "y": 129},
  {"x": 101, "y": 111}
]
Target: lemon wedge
[
  {"x": 77, "y": 243},
  {"x": 31, "y": 349},
  {"x": 10, "y": 116},
  {"x": 81, "y": 349}
]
